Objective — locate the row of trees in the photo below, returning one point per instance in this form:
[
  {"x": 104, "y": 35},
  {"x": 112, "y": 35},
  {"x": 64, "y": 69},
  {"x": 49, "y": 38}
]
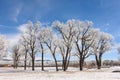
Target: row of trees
[{"x": 72, "y": 38}]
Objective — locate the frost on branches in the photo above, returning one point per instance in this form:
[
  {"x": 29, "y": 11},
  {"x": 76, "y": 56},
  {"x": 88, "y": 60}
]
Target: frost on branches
[
  {"x": 66, "y": 32},
  {"x": 30, "y": 37},
  {"x": 51, "y": 42},
  {"x": 73, "y": 37},
  {"x": 16, "y": 55},
  {"x": 103, "y": 43},
  {"x": 3, "y": 46},
  {"x": 83, "y": 39}
]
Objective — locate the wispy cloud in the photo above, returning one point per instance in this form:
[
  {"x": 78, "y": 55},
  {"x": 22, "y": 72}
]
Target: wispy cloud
[
  {"x": 16, "y": 12},
  {"x": 4, "y": 26},
  {"x": 14, "y": 37},
  {"x": 22, "y": 27}
]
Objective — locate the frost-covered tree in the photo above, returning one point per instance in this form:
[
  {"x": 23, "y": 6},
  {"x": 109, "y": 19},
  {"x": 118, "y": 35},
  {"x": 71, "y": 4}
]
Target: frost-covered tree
[
  {"x": 103, "y": 43},
  {"x": 51, "y": 42},
  {"x": 30, "y": 37},
  {"x": 3, "y": 45},
  {"x": 84, "y": 38},
  {"x": 66, "y": 32},
  {"x": 62, "y": 50},
  {"x": 25, "y": 50},
  {"x": 41, "y": 39},
  {"x": 16, "y": 55}
]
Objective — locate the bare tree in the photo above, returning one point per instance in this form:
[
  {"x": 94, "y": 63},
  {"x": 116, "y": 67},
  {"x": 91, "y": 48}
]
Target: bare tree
[
  {"x": 15, "y": 55},
  {"x": 62, "y": 49},
  {"x": 67, "y": 32},
  {"x": 41, "y": 38},
  {"x": 30, "y": 37},
  {"x": 3, "y": 45},
  {"x": 25, "y": 50},
  {"x": 84, "y": 39},
  {"x": 51, "y": 42},
  {"x": 103, "y": 43}
]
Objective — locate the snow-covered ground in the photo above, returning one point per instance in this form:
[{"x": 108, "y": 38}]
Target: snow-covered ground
[{"x": 51, "y": 74}]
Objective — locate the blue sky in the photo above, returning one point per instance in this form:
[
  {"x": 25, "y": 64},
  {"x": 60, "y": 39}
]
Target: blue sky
[{"x": 105, "y": 15}]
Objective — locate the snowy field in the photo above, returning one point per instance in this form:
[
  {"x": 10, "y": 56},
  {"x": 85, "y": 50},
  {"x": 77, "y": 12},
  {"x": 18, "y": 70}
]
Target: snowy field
[{"x": 71, "y": 74}]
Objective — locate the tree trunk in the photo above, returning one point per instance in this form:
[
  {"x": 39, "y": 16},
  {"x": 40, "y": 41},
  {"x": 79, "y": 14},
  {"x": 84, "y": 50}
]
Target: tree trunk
[
  {"x": 25, "y": 65},
  {"x": 81, "y": 64},
  {"x": 33, "y": 61},
  {"x": 42, "y": 61},
  {"x": 68, "y": 62},
  {"x": 66, "y": 58},
  {"x": 16, "y": 65},
  {"x": 99, "y": 66},
  {"x": 98, "y": 61},
  {"x": 32, "y": 64},
  {"x": 81, "y": 61},
  {"x": 55, "y": 62},
  {"x": 42, "y": 57},
  {"x": 25, "y": 62},
  {"x": 64, "y": 65},
  {"x": 81, "y": 68}
]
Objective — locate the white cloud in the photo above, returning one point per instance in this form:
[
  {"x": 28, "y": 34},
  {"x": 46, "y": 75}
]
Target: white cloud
[
  {"x": 13, "y": 39},
  {"x": 22, "y": 27},
  {"x": 16, "y": 12}
]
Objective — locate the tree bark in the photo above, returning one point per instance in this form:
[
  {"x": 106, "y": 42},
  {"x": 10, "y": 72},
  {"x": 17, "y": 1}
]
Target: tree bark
[
  {"x": 25, "y": 65},
  {"x": 81, "y": 61},
  {"x": 81, "y": 65},
  {"x": 25, "y": 62},
  {"x": 98, "y": 61},
  {"x": 55, "y": 62},
  {"x": 66, "y": 59},
  {"x": 64, "y": 65},
  {"x": 42, "y": 61},
  {"x": 33, "y": 64},
  {"x": 68, "y": 62},
  {"x": 33, "y": 60}
]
